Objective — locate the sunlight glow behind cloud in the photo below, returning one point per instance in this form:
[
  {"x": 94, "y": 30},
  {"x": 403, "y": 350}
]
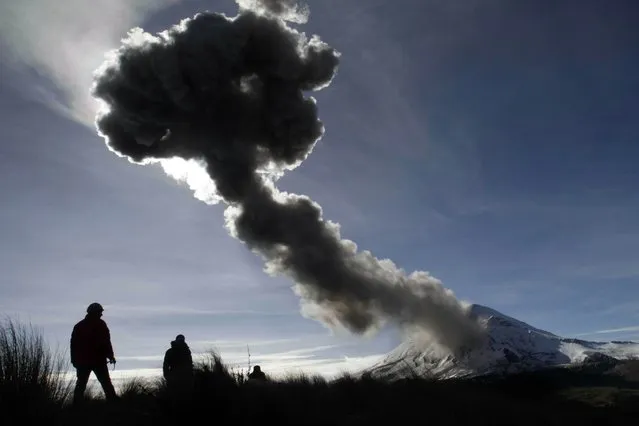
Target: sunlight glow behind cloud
[{"x": 65, "y": 42}]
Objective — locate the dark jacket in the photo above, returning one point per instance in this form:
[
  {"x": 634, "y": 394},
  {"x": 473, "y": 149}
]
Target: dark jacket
[
  {"x": 91, "y": 342},
  {"x": 177, "y": 360},
  {"x": 257, "y": 375}
]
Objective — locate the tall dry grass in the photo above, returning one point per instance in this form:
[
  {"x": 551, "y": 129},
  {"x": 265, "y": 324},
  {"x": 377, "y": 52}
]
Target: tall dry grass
[{"x": 32, "y": 375}]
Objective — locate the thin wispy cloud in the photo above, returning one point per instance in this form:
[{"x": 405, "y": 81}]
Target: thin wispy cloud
[
  {"x": 235, "y": 357},
  {"x": 295, "y": 354},
  {"x": 626, "y": 309},
  {"x": 324, "y": 359},
  {"x": 65, "y": 42},
  {"x": 621, "y": 330},
  {"x": 241, "y": 344},
  {"x": 326, "y": 367}
]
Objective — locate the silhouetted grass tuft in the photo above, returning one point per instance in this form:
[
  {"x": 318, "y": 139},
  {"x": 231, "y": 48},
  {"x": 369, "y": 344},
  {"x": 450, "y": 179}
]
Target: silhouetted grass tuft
[{"x": 32, "y": 380}]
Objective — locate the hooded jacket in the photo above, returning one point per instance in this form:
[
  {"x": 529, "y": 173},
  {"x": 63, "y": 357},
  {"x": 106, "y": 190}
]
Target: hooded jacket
[{"x": 177, "y": 360}]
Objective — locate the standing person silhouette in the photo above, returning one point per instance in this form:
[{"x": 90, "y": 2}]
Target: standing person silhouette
[
  {"x": 177, "y": 369},
  {"x": 90, "y": 349}
]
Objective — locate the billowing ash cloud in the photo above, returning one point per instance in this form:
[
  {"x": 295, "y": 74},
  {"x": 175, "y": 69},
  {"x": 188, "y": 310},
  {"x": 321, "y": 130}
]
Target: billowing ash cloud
[
  {"x": 228, "y": 93},
  {"x": 289, "y": 10}
]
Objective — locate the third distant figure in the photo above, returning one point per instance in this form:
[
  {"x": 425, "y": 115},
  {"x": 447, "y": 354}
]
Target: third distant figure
[{"x": 257, "y": 374}]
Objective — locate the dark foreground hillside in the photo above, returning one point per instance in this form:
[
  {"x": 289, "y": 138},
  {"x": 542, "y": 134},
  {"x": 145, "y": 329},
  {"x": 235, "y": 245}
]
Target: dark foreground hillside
[
  {"x": 598, "y": 394},
  {"x": 549, "y": 398}
]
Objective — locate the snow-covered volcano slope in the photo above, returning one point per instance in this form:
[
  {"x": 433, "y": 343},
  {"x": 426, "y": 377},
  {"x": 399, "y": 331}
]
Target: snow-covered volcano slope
[{"x": 512, "y": 346}]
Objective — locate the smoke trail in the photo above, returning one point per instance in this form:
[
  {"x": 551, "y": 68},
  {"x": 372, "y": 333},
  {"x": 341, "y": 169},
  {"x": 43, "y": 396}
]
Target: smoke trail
[{"x": 228, "y": 93}]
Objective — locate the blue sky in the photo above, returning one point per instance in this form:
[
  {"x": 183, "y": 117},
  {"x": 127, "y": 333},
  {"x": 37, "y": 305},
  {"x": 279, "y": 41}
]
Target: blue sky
[{"x": 491, "y": 143}]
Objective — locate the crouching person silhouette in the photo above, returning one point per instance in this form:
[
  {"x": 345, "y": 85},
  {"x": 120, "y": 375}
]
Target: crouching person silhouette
[
  {"x": 90, "y": 349},
  {"x": 178, "y": 369}
]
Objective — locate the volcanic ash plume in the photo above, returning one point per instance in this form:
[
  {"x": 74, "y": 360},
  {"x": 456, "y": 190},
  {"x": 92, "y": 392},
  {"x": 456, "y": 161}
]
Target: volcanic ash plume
[{"x": 228, "y": 93}]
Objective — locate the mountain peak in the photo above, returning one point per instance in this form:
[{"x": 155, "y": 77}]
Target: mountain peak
[{"x": 494, "y": 319}]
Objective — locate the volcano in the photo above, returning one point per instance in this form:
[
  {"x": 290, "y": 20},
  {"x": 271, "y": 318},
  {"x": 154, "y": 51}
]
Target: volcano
[{"x": 511, "y": 346}]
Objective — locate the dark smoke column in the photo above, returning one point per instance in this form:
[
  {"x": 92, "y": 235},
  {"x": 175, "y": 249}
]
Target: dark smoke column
[{"x": 229, "y": 93}]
